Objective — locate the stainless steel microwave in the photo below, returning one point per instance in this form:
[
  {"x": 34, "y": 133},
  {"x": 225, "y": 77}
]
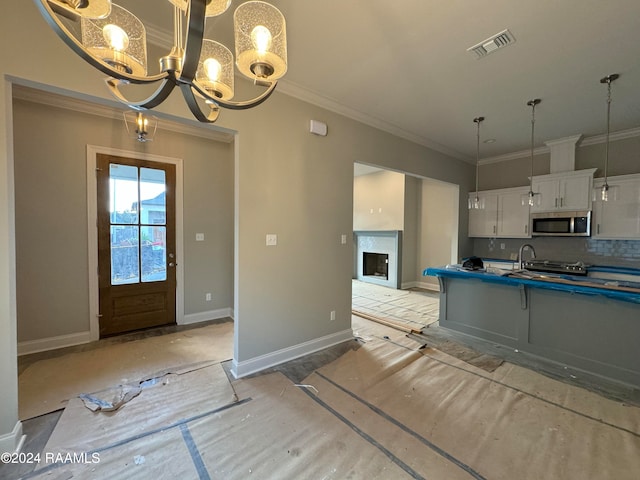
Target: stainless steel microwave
[{"x": 561, "y": 224}]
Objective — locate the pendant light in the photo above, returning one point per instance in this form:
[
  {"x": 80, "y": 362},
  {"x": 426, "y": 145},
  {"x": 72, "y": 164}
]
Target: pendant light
[
  {"x": 532, "y": 198},
  {"x": 606, "y": 192},
  {"x": 477, "y": 203}
]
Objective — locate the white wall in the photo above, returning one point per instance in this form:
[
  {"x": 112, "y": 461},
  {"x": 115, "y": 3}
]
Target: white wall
[{"x": 378, "y": 201}]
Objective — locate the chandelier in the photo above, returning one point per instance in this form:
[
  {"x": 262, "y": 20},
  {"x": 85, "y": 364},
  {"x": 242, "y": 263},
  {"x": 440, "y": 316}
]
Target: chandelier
[{"x": 113, "y": 40}]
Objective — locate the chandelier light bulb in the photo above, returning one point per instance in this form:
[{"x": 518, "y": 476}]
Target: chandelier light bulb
[
  {"x": 142, "y": 123},
  {"x": 115, "y": 37},
  {"x": 213, "y": 69},
  {"x": 261, "y": 39},
  {"x": 605, "y": 193}
]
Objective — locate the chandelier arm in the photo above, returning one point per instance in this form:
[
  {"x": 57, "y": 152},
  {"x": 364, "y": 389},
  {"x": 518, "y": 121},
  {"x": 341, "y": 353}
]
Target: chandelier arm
[
  {"x": 192, "y": 103},
  {"x": 193, "y": 44},
  {"x": 247, "y": 103},
  {"x": 68, "y": 38},
  {"x": 159, "y": 96}
]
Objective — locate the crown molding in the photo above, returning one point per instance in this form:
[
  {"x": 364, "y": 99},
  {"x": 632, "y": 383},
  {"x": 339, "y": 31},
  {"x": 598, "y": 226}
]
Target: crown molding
[
  {"x": 301, "y": 93},
  {"x": 592, "y": 140},
  {"x": 42, "y": 97}
]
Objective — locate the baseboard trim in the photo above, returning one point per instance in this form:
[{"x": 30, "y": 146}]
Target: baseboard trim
[
  {"x": 254, "y": 365},
  {"x": 51, "y": 343},
  {"x": 428, "y": 286},
  {"x": 205, "y": 316},
  {"x": 14, "y": 440}
]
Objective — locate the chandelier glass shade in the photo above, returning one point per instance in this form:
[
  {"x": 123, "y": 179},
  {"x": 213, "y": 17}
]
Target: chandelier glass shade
[{"x": 113, "y": 40}]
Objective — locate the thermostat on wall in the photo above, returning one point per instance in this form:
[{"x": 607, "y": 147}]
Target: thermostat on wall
[{"x": 318, "y": 128}]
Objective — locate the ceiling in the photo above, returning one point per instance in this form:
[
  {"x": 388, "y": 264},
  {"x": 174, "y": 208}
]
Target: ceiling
[{"x": 403, "y": 66}]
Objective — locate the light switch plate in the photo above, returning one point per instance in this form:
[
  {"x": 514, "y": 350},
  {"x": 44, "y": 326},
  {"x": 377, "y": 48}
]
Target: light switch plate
[
  {"x": 199, "y": 237},
  {"x": 343, "y": 239},
  {"x": 272, "y": 239}
]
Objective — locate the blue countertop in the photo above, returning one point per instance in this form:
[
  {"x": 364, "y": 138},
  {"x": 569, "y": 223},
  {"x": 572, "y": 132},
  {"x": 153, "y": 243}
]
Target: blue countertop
[{"x": 563, "y": 283}]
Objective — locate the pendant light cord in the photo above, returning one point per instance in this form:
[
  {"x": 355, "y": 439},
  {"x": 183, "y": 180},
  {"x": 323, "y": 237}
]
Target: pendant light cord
[
  {"x": 606, "y": 145},
  {"x": 477, "y": 120},
  {"x": 532, "y": 104}
]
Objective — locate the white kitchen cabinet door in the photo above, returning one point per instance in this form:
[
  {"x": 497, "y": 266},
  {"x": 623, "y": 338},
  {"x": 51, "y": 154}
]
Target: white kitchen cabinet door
[
  {"x": 548, "y": 191},
  {"x": 513, "y": 217},
  {"x": 575, "y": 193},
  {"x": 618, "y": 218},
  {"x": 484, "y": 222},
  {"x": 563, "y": 191}
]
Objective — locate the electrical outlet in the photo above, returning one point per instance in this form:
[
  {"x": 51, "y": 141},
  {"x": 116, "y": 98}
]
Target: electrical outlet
[
  {"x": 343, "y": 239},
  {"x": 207, "y": 297},
  {"x": 502, "y": 246},
  {"x": 332, "y": 316}
]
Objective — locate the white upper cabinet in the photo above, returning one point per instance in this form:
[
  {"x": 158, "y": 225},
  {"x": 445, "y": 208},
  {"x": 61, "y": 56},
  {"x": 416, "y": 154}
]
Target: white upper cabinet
[
  {"x": 563, "y": 191},
  {"x": 503, "y": 215},
  {"x": 619, "y": 218},
  {"x": 513, "y": 217},
  {"x": 484, "y": 222}
]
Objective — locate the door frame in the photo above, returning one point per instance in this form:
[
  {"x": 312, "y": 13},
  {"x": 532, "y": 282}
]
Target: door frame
[{"x": 92, "y": 224}]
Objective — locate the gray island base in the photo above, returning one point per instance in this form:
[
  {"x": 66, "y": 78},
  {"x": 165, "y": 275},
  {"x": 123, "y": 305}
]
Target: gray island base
[{"x": 590, "y": 329}]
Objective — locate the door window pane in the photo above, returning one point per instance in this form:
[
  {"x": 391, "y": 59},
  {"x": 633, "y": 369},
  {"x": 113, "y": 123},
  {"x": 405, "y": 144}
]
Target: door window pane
[
  {"x": 123, "y": 194},
  {"x": 154, "y": 253},
  {"x": 153, "y": 206},
  {"x": 124, "y": 255}
]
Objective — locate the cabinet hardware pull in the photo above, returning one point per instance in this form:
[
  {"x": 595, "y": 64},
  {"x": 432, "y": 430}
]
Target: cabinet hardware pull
[
  {"x": 526, "y": 229},
  {"x": 598, "y": 229},
  {"x": 556, "y": 202}
]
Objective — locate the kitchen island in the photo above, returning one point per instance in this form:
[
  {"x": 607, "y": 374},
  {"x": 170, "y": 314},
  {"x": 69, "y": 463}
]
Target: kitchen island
[{"x": 590, "y": 324}]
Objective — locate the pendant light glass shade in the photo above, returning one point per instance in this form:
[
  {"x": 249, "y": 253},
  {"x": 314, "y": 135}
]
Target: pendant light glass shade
[
  {"x": 476, "y": 202},
  {"x": 532, "y": 198},
  {"x": 215, "y": 70},
  {"x": 140, "y": 126},
  {"x": 261, "y": 41},
  {"x": 607, "y": 193},
  {"x": 214, "y": 7},
  {"x": 119, "y": 40}
]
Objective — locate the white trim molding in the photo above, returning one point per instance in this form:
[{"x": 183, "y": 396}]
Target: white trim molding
[
  {"x": 206, "y": 316},
  {"x": 593, "y": 140},
  {"x": 257, "y": 364},
  {"x": 52, "y": 343},
  {"x": 13, "y": 441}
]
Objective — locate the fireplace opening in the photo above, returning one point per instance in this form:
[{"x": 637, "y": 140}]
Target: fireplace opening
[{"x": 375, "y": 265}]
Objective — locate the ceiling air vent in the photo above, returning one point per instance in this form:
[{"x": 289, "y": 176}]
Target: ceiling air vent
[{"x": 492, "y": 44}]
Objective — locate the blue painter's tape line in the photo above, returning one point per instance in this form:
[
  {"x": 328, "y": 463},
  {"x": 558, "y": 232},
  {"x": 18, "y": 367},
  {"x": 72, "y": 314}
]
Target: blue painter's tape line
[{"x": 203, "y": 474}]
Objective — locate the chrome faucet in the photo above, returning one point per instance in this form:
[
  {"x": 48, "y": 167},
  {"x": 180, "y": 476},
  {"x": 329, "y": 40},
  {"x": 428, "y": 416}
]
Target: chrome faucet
[{"x": 522, "y": 247}]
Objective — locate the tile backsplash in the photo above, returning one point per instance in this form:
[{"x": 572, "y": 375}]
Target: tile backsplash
[{"x": 623, "y": 253}]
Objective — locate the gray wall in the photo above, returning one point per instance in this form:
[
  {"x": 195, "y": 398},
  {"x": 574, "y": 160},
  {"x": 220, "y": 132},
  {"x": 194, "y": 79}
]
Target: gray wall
[
  {"x": 51, "y": 215},
  {"x": 624, "y": 158},
  {"x": 287, "y": 182}
]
